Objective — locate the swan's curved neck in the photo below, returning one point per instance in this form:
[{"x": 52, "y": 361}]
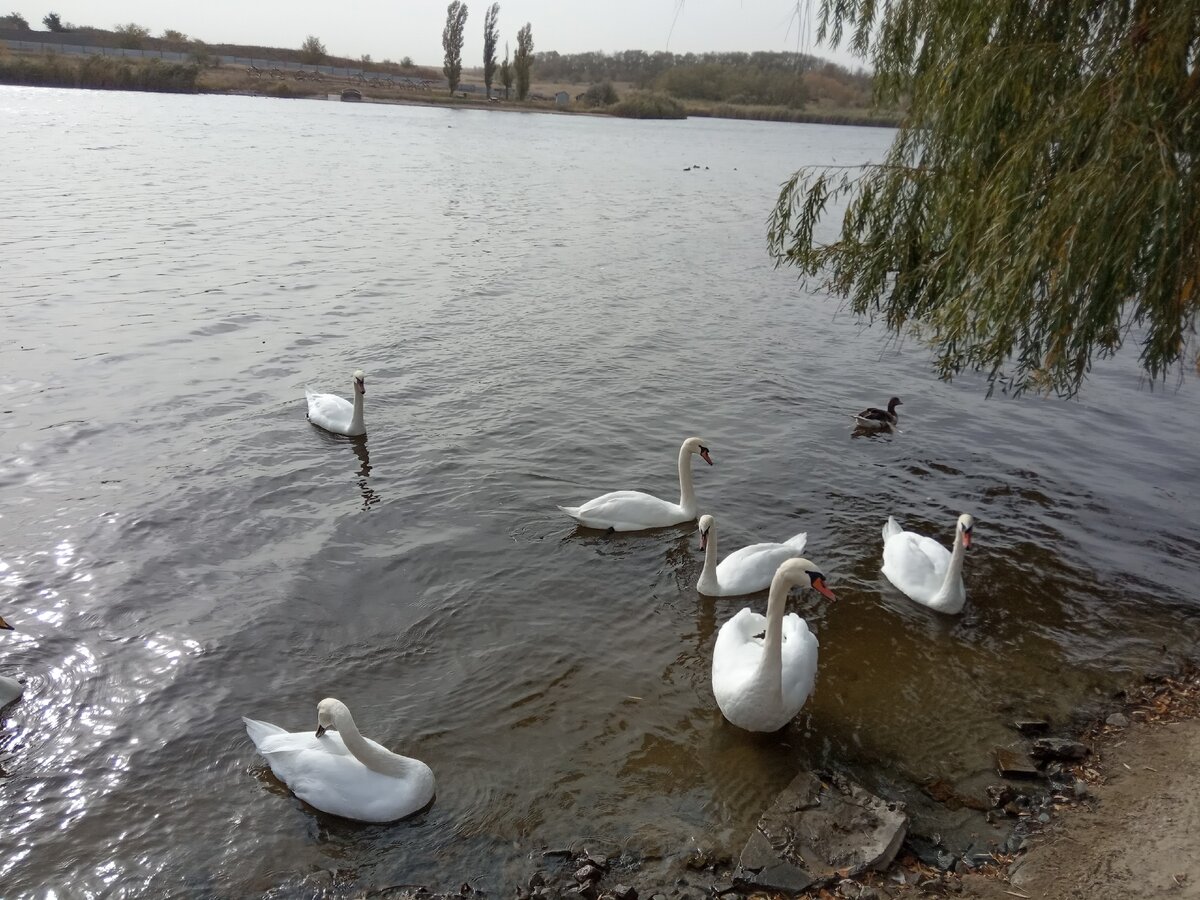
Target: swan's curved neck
[
  {"x": 356, "y": 422},
  {"x": 950, "y": 595},
  {"x": 687, "y": 494},
  {"x": 708, "y": 577},
  {"x": 959, "y": 554},
  {"x": 374, "y": 758},
  {"x": 771, "y": 667}
]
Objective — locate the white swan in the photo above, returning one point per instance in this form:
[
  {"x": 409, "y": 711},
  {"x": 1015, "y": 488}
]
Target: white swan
[
  {"x": 761, "y": 680},
  {"x": 331, "y": 412},
  {"x": 343, "y": 773},
  {"x": 635, "y": 510},
  {"x": 743, "y": 571},
  {"x": 924, "y": 569},
  {"x": 10, "y": 688}
]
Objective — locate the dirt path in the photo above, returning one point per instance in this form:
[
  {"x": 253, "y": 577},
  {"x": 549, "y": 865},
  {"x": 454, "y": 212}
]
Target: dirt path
[{"x": 1139, "y": 838}]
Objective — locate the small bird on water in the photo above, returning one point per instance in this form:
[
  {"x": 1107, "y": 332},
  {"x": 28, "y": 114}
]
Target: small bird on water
[{"x": 875, "y": 418}]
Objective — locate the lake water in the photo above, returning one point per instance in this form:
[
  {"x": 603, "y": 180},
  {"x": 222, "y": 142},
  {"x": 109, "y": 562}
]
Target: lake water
[{"x": 545, "y": 307}]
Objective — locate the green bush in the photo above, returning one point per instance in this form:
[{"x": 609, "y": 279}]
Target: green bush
[
  {"x": 648, "y": 105},
  {"x": 283, "y": 89},
  {"x": 105, "y": 72},
  {"x": 602, "y": 94},
  {"x": 734, "y": 84}
]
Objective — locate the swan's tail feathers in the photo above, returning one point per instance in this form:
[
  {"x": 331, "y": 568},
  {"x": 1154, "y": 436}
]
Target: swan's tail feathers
[
  {"x": 891, "y": 528},
  {"x": 572, "y": 511},
  {"x": 259, "y": 731},
  {"x": 797, "y": 542}
]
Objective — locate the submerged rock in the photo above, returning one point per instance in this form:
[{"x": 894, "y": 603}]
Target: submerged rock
[
  {"x": 1000, "y": 795},
  {"x": 1059, "y": 748},
  {"x": 817, "y": 832}
]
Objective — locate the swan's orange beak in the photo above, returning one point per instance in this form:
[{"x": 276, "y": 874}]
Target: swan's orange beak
[
  {"x": 966, "y": 540},
  {"x": 704, "y": 455},
  {"x": 819, "y": 586},
  {"x": 5, "y": 625},
  {"x": 320, "y": 730}
]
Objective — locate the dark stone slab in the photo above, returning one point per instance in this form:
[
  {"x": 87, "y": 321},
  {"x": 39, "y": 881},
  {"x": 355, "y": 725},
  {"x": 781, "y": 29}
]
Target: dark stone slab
[
  {"x": 1031, "y": 726},
  {"x": 1011, "y": 764},
  {"x": 819, "y": 831},
  {"x": 1058, "y": 748}
]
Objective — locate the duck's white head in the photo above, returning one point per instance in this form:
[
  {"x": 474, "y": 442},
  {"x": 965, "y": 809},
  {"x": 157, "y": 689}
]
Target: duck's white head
[
  {"x": 965, "y": 525},
  {"x": 706, "y": 524},
  {"x": 325, "y": 713},
  {"x": 360, "y": 382},
  {"x": 696, "y": 445},
  {"x": 803, "y": 572}
]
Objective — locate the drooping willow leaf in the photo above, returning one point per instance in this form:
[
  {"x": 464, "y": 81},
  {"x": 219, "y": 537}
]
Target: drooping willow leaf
[{"x": 1041, "y": 201}]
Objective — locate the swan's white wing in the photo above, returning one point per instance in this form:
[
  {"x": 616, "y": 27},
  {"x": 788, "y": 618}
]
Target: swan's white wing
[
  {"x": 915, "y": 564},
  {"x": 260, "y": 731},
  {"x": 324, "y": 774},
  {"x": 800, "y": 650},
  {"x": 751, "y": 569},
  {"x": 335, "y": 782},
  {"x": 744, "y": 697},
  {"x": 626, "y": 511},
  {"x": 737, "y": 651},
  {"x": 329, "y": 411}
]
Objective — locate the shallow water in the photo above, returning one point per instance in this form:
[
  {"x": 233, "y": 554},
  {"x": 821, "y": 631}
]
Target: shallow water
[{"x": 545, "y": 307}]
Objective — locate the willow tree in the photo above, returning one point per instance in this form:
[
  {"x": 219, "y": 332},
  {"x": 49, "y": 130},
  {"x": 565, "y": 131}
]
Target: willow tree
[
  {"x": 452, "y": 42},
  {"x": 1041, "y": 200}
]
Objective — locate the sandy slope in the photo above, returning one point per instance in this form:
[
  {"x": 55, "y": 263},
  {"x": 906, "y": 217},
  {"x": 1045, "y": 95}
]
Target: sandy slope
[{"x": 1141, "y": 837}]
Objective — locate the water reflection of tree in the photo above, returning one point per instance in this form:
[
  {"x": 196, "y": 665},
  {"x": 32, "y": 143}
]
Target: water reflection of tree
[{"x": 370, "y": 496}]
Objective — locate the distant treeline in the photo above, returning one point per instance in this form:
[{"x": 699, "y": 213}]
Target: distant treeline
[{"x": 764, "y": 78}]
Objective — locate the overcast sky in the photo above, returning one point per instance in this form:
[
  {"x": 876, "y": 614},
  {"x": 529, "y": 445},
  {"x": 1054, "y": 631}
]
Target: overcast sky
[{"x": 392, "y": 29}]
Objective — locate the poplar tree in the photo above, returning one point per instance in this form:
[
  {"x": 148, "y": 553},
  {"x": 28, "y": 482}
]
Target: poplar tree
[
  {"x": 452, "y": 42},
  {"x": 506, "y": 72},
  {"x": 523, "y": 61},
  {"x": 490, "y": 37},
  {"x": 1040, "y": 203}
]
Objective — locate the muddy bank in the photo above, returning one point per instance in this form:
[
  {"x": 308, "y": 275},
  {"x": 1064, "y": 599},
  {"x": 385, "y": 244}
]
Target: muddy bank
[
  {"x": 1121, "y": 822},
  {"x": 1136, "y": 834}
]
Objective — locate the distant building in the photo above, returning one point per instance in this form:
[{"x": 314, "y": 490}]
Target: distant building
[{"x": 562, "y": 98}]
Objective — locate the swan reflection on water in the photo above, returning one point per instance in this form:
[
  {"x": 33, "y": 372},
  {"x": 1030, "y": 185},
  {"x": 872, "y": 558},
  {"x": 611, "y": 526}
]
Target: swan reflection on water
[{"x": 370, "y": 496}]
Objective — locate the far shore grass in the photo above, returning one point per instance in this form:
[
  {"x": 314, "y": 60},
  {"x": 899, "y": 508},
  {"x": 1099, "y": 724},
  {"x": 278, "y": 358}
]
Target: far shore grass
[{"x": 118, "y": 73}]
